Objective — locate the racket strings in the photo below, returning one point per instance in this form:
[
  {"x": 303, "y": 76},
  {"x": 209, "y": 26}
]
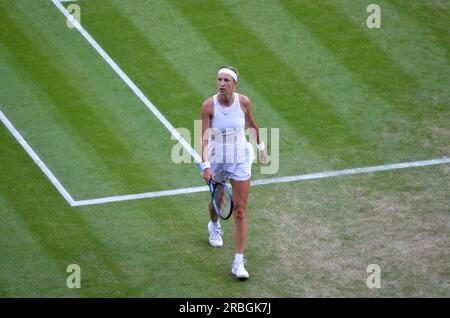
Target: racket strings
[{"x": 223, "y": 200}]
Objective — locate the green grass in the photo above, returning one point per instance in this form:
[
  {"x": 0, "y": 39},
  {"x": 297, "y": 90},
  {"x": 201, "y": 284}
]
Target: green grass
[{"x": 342, "y": 95}]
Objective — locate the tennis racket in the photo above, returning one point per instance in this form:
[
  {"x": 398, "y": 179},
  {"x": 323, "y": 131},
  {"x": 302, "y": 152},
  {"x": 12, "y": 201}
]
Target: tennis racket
[{"x": 221, "y": 198}]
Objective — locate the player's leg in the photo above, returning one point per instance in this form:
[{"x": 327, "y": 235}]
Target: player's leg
[
  {"x": 240, "y": 198},
  {"x": 212, "y": 214},
  {"x": 214, "y": 228}
]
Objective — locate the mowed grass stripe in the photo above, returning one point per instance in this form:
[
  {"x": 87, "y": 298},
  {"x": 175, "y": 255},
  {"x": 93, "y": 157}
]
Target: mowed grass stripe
[
  {"x": 197, "y": 61},
  {"x": 312, "y": 117},
  {"x": 27, "y": 105},
  {"x": 410, "y": 46},
  {"x": 356, "y": 50},
  {"x": 152, "y": 75},
  {"x": 435, "y": 29},
  {"x": 325, "y": 240},
  {"x": 322, "y": 73},
  {"x": 122, "y": 106},
  {"x": 408, "y": 43},
  {"x": 421, "y": 56},
  {"x": 68, "y": 99},
  {"x": 64, "y": 235},
  {"x": 25, "y": 261},
  {"x": 63, "y": 151},
  {"x": 169, "y": 33},
  {"x": 163, "y": 246},
  {"x": 78, "y": 107},
  {"x": 373, "y": 66},
  {"x": 169, "y": 91}
]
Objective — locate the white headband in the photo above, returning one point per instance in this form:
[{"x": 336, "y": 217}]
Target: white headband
[{"x": 229, "y": 72}]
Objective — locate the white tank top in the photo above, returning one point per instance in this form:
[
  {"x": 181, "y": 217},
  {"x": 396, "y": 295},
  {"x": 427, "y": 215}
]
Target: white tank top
[{"x": 227, "y": 142}]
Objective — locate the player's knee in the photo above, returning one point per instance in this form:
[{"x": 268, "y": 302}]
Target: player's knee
[{"x": 239, "y": 211}]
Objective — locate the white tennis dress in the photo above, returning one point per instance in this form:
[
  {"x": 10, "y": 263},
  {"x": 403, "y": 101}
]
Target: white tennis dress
[{"x": 229, "y": 153}]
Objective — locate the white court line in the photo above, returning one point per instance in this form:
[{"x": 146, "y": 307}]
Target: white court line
[
  {"x": 195, "y": 155},
  {"x": 141, "y": 196},
  {"x": 36, "y": 159},
  {"x": 320, "y": 175},
  {"x": 337, "y": 173},
  {"x": 311, "y": 176},
  {"x": 129, "y": 82}
]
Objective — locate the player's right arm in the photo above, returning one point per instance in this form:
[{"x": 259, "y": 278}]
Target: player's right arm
[{"x": 207, "y": 112}]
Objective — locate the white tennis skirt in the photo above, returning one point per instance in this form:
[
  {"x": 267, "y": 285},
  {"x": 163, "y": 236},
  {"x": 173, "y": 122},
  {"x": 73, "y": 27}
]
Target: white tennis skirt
[{"x": 238, "y": 170}]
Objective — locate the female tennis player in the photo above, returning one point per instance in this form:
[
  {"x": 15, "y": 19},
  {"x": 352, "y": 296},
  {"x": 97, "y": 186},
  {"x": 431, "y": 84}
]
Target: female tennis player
[{"x": 226, "y": 154}]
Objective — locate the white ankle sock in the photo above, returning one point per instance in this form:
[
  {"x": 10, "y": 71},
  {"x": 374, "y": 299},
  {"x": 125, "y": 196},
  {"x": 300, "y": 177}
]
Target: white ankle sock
[{"x": 238, "y": 258}]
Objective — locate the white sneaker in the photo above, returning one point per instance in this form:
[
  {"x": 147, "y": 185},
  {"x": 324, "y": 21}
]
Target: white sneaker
[
  {"x": 239, "y": 270},
  {"x": 215, "y": 234}
]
